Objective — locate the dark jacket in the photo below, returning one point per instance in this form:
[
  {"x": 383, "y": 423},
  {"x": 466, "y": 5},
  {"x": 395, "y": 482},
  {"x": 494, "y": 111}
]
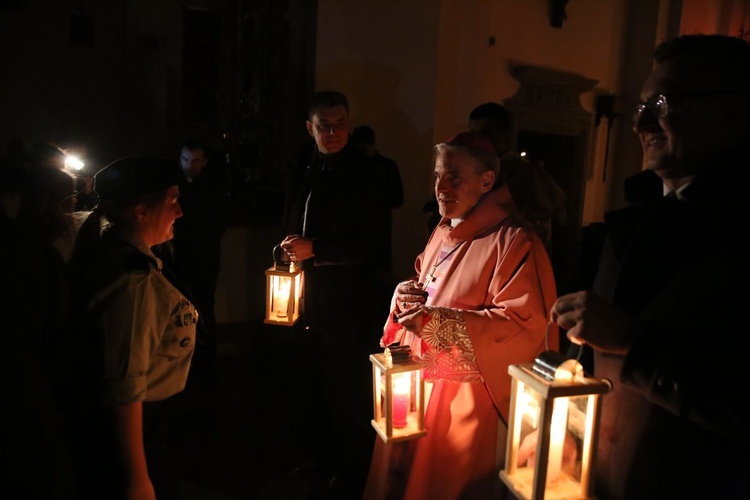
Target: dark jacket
[
  {"x": 336, "y": 200},
  {"x": 674, "y": 426},
  {"x": 394, "y": 193},
  {"x": 198, "y": 233},
  {"x": 196, "y": 245}
]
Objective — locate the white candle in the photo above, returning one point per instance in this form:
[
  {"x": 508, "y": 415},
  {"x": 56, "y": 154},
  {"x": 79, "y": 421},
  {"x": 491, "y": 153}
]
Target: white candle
[
  {"x": 557, "y": 438},
  {"x": 281, "y": 298}
]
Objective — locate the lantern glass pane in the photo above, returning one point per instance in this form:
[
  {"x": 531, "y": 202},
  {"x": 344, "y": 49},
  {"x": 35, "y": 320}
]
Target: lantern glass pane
[
  {"x": 297, "y": 293},
  {"x": 568, "y": 442},
  {"x": 403, "y": 392},
  {"x": 283, "y": 295},
  {"x": 398, "y": 398},
  {"x": 281, "y": 286}
]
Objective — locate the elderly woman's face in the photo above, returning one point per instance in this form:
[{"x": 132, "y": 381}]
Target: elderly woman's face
[{"x": 458, "y": 185}]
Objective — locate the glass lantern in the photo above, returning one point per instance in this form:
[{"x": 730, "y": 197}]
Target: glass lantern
[
  {"x": 284, "y": 283},
  {"x": 552, "y": 429},
  {"x": 398, "y": 395}
]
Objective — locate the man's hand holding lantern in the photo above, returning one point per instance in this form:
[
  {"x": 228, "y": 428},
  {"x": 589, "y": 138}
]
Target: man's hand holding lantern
[
  {"x": 298, "y": 247},
  {"x": 590, "y": 319}
]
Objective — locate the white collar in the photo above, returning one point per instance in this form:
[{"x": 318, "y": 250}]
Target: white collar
[{"x": 677, "y": 192}]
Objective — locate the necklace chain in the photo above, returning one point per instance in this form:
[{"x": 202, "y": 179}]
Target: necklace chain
[{"x": 431, "y": 276}]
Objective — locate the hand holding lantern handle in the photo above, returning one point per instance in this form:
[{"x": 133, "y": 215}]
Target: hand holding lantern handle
[
  {"x": 590, "y": 319},
  {"x": 298, "y": 247}
]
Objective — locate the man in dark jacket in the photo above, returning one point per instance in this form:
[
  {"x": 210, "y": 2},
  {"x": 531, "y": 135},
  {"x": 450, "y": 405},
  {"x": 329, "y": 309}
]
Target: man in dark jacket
[
  {"x": 197, "y": 240},
  {"x": 333, "y": 222},
  {"x": 667, "y": 310},
  {"x": 363, "y": 137}
]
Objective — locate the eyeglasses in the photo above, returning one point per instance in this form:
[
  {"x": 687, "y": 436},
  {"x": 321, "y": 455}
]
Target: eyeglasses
[
  {"x": 325, "y": 127},
  {"x": 658, "y": 105}
]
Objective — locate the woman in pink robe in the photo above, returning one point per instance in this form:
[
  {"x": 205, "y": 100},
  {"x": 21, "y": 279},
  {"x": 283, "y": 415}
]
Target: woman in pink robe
[{"x": 478, "y": 304}]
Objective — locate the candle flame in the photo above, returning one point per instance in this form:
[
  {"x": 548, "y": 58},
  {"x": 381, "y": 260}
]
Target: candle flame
[{"x": 401, "y": 384}]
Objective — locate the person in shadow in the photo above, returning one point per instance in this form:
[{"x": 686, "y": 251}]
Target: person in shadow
[
  {"x": 133, "y": 334},
  {"x": 673, "y": 269},
  {"x": 534, "y": 191},
  {"x": 477, "y": 304},
  {"x": 363, "y": 138},
  {"x": 196, "y": 246},
  {"x": 334, "y": 226},
  {"x": 34, "y": 309}
]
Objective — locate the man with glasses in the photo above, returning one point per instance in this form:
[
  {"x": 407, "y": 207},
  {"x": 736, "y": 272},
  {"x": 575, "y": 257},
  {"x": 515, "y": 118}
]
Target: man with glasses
[
  {"x": 666, "y": 313},
  {"x": 333, "y": 220}
]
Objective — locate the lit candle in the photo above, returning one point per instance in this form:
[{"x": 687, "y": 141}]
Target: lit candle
[
  {"x": 281, "y": 297},
  {"x": 401, "y": 386},
  {"x": 557, "y": 438}
]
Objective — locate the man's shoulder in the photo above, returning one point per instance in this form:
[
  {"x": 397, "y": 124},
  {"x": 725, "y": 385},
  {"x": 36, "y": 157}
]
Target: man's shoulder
[
  {"x": 384, "y": 159},
  {"x": 123, "y": 256},
  {"x": 353, "y": 157},
  {"x": 643, "y": 186},
  {"x": 354, "y": 154},
  {"x": 215, "y": 169},
  {"x": 628, "y": 217},
  {"x": 516, "y": 165},
  {"x": 514, "y": 160},
  {"x": 113, "y": 260}
]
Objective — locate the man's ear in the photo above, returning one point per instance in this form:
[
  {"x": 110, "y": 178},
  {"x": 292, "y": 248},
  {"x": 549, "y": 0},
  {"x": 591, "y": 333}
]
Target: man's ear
[
  {"x": 140, "y": 211},
  {"x": 309, "y": 126},
  {"x": 488, "y": 180}
]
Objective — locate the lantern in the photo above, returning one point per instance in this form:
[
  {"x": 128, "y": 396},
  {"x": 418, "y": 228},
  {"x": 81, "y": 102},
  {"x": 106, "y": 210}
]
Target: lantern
[
  {"x": 552, "y": 429},
  {"x": 284, "y": 283},
  {"x": 398, "y": 395}
]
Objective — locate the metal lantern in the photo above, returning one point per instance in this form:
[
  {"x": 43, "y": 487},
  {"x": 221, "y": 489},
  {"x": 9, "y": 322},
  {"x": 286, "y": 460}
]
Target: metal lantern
[
  {"x": 284, "y": 282},
  {"x": 552, "y": 429},
  {"x": 398, "y": 395}
]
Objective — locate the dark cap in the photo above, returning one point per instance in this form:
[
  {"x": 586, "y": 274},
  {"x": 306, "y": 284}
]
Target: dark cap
[{"x": 135, "y": 176}]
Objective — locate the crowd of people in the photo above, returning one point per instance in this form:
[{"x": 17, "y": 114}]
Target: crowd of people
[{"x": 125, "y": 289}]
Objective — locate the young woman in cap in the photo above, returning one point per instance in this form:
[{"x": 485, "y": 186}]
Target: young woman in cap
[{"x": 136, "y": 330}]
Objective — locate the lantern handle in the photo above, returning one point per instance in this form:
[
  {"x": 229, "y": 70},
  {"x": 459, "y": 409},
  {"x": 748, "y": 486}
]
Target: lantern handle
[
  {"x": 546, "y": 340},
  {"x": 278, "y": 254},
  {"x": 397, "y": 354},
  {"x": 548, "y": 351}
]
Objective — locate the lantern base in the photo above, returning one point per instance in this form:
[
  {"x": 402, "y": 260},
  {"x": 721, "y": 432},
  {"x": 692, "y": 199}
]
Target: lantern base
[
  {"x": 279, "y": 322},
  {"x": 521, "y": 484},
  {"x": 410, "y": 431}
]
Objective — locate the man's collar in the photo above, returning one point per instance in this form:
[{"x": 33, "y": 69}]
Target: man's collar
[{"x": 679, "y": 193}]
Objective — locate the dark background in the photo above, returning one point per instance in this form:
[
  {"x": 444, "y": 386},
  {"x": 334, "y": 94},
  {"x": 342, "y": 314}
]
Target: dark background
[{"x": 110, "y": 78}]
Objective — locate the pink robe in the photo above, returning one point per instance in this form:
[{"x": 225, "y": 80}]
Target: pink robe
[{"x": 502, "y": 282}]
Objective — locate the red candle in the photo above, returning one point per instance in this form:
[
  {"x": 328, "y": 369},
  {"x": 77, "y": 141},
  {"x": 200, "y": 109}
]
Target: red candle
[{"x": 400, "y": 400}]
